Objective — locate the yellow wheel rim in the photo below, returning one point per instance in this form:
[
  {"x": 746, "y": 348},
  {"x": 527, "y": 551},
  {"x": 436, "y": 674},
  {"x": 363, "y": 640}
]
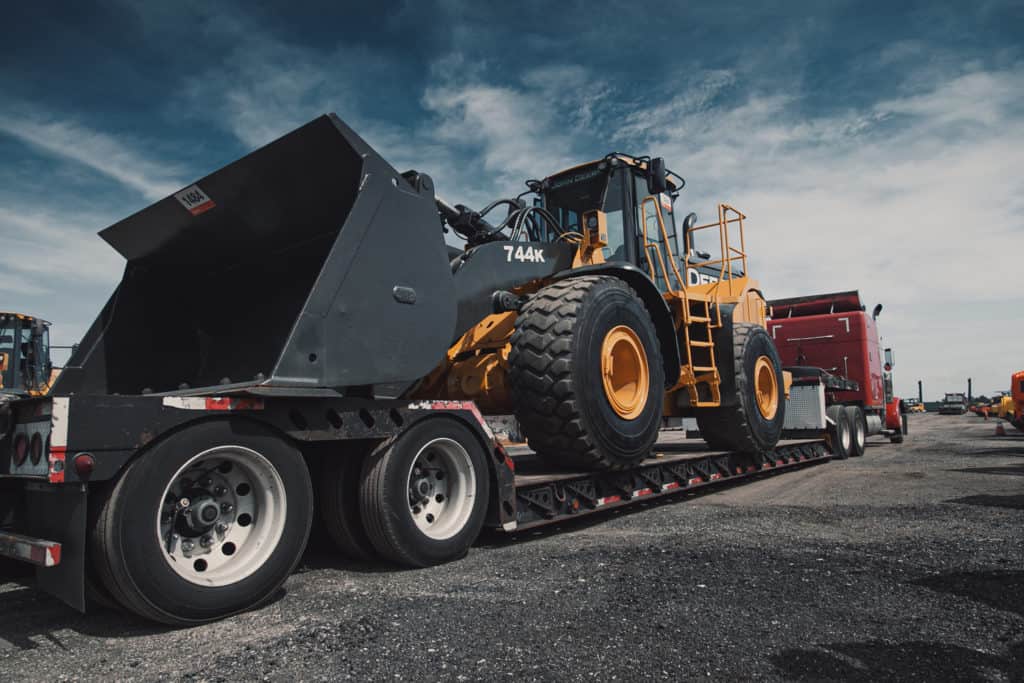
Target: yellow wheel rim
[
  {"x": 766, "y": 387},
  {"x": 624, "y": 371}
]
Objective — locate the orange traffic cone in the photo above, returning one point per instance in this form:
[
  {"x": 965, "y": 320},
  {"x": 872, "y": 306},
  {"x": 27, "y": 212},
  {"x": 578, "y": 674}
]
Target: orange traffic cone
[{"x": 999, "y": 430}]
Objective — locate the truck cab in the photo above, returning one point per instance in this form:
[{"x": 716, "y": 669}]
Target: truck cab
[{"x": 25, "y": 365}]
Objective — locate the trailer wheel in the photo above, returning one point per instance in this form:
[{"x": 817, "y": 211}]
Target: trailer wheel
[
  {"x": 423, "y": 494},
  {"x": 753, "y": 424},
  {"x": 339, "y": 505},
  {"x": 586, "y": 374},
  {"x": 858, "y": 430},
  {"x": 207, "y": 523},
  {"x": 839, "y": 433},
  {"x": 897, "y": 436}
]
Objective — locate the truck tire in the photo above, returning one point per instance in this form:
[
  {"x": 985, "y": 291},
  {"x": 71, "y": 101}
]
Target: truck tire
[
  {"x": 586, "y": 374},
  {"x": 897, "y": 436},
  {"x": 858, "y": 430},
  {"x": 208, "y": 522},
  {"x": 423, "y": 494},
  {"x": 753, "y": 424},
  {"x": 338, "y": 497},
  {"x": 839, "y": 433}
]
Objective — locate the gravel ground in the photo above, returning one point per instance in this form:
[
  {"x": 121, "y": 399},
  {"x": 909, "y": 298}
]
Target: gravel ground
[{"x": 906, "y": 564}]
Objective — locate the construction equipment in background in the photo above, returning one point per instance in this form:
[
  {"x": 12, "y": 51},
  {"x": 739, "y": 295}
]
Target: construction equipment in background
[
  {"x": 832, "y": 337},
  {"x": 25, "y": 366},
  {"x": 954, "y": 403},
  {"x": 1016, "y": 414},
  {"x": 299, "y": 310}
]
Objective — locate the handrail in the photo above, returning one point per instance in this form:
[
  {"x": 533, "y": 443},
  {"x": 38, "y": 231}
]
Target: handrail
[{"x": 664, "y": 236}]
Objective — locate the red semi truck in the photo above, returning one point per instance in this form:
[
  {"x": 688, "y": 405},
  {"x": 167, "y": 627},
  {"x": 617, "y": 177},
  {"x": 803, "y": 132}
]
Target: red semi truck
[{"x": 832, "y": 336}]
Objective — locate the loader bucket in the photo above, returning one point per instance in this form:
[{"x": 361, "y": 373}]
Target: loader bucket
[{"x": 308, "y": 264}]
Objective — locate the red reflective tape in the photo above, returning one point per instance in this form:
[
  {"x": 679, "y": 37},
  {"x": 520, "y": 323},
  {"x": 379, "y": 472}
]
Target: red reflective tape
[
  {"x": 670, "y": 485},
  {"x": 716, "y": 476},
  {"x": 609, "y": 499},
  {"x": 57, "y": 457},
  {"x": 780, "y": 462},
  {"x": 202, "y": 208},
  {"x": 643, "y": 492},
  {"x": 223, "y": 403},
  {"x": 752, "y": 468},
  {"x": 54, "y": 552},
  {"x": 696, "y": 480}
]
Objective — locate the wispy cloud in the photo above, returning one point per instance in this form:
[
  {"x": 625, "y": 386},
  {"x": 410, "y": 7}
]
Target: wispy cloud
[{"x": 99, "y": 151}]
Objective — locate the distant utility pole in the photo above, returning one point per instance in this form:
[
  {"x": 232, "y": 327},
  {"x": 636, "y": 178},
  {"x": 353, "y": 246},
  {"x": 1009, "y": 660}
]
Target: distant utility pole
[
  {"x": 920, "y": 392},
  {"x": 968, "y": 389}
]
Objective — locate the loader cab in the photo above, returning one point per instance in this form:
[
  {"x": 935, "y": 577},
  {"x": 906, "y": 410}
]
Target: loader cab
[
  {"x": 24, "y": 354},
  {"x": 638, "y": 210}
]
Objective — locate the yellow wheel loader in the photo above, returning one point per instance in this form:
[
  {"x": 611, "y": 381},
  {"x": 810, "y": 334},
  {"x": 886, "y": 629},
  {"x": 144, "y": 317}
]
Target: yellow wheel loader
[
  {"x": 25, "y": 367},
  {"x": 313, "y": 265}
]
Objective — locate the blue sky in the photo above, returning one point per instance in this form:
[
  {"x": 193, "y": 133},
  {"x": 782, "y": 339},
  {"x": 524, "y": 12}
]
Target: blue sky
[{"x": 876, "y": 146}]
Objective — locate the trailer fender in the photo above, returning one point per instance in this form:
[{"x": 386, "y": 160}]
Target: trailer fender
[{"x": 653, "y": 301}]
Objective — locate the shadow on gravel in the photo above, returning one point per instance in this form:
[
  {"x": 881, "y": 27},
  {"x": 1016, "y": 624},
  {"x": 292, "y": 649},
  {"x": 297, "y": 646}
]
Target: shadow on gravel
[
  {"x": 29, "y": 619},
  {"x": 1000, "y": 589},
  {"x": 875, "y": 660},
  {"x": 988, "y": 500},
  {"x": 1010, "y": 470}
]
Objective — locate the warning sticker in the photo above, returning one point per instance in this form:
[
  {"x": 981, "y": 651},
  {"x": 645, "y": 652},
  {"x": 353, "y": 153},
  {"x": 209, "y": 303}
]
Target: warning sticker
[
  {"x": 195, "y": 200},
  {"x": 666, "y": 201}
]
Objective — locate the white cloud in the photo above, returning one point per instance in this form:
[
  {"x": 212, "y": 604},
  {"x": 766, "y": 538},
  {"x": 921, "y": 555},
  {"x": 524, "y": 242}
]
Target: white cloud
[
  {"x": 104, "y": 153},
  {"x": 916, "y": 201}
]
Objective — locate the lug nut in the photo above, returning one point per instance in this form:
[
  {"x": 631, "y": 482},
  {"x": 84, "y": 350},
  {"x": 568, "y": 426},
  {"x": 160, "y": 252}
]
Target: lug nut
[
  {"x": 226, "y": 507},
  {"x": 187, "y": 546},
  {"x": 219, "y": 491},
  {"x": 206, "y": 541},
  {"x": 221, "y": 528}
]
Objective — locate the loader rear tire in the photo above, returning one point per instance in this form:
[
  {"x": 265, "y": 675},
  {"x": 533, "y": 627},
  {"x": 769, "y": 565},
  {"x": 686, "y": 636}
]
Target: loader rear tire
[
  {"x": 858, "y": 431},
  {"x": 225, "y": 571},
  {"x": 840, "y": 432},
  {"x": 586, "y": 374},
  {"x": 423, "y": 494},
  {"x": 753, "y": 423},
  {"x": 339, "y": 506}
]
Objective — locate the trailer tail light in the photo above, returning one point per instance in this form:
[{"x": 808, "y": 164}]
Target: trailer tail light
[
  {"x": 84, "y": 465},
  {"x": 36, "y": 449},
  {"x": 20, "y": 449}
]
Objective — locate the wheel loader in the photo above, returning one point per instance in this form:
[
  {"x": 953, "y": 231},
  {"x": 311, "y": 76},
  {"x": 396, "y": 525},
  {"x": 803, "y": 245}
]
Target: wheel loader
[
  {"x": 25, "y": 367},
  {"x": 312, "y": 265}
]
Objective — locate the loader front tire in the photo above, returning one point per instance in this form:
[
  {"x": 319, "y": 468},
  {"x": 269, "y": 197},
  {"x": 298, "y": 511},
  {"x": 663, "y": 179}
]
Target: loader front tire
[
  {"x": 586, "y": 374},
  {"x": 207, "y": 523},
  {"x": 753, "y": 422}
]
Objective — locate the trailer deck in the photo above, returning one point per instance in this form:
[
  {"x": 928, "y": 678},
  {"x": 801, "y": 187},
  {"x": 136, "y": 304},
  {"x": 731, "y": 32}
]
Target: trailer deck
[{"x": 545, "y": 495}]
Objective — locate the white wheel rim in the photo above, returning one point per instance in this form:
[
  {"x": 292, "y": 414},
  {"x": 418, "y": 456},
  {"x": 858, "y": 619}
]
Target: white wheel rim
[
  {"x": 845, "y": 439},
  {"x": 246, "y": 492},
  {"x": 861, "y": 434},
  {"x": 442, "y": 486}
]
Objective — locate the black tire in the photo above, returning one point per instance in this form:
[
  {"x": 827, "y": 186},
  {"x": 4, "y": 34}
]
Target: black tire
[
  {"x": 555, "y": 374},
  {"x": 384, "y": 495},
  {"x": 740, "y": 426},
  {"x": 128, "y": 552},
  {"x": 858, "y": 430},
  {"x": 897, "y": 436},
  {"x": 338, "y": 490},
  {"x": 839, "y": 432}
]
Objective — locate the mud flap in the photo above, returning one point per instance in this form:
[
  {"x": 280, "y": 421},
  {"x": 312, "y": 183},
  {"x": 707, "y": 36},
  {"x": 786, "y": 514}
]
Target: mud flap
[{"x": 58, "y": 513}]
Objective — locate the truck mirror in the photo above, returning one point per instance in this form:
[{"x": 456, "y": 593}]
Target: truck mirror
[
  {"x": 874, "y": 313},
  {"x": 888, "y": 359},
  {"x": 657, "y": 180}
]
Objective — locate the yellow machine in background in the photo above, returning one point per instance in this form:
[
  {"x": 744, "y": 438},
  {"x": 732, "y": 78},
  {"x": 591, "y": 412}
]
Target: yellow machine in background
[{"x": 25, "y": 366}]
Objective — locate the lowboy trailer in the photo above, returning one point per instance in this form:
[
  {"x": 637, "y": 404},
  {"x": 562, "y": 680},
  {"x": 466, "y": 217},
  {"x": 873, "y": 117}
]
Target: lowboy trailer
[{"x": 49, "y": 520}]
